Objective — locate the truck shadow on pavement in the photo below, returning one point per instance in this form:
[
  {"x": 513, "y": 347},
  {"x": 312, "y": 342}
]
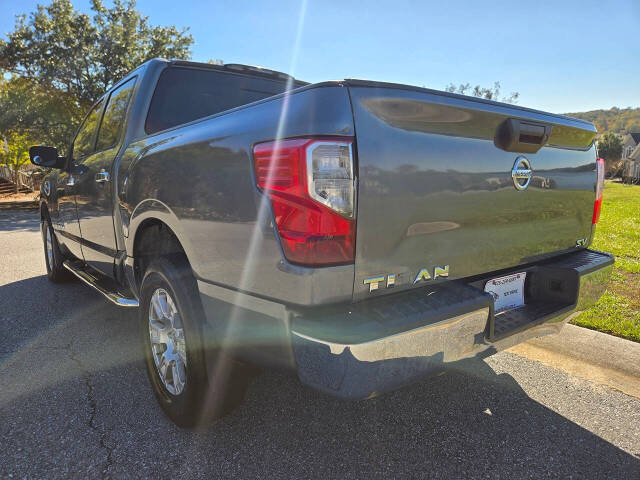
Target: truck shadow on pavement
[{"x": 75, "y": 402}]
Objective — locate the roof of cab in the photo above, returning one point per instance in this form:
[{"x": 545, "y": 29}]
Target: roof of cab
[{"x": 240, "y": 68}]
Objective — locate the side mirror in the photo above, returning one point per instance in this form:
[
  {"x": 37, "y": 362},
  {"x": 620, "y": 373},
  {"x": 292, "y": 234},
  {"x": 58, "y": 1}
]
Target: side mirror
[{"x": 46, "y": 157}]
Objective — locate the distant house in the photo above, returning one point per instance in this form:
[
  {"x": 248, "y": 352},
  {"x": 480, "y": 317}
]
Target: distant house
[
  {"x": 631, "y": 167},
  {"x": 630, "y": 142}
]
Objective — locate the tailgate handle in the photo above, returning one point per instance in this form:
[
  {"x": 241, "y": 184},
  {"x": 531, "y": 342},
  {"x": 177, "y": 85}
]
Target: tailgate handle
[{"x": 523, "y": 136}]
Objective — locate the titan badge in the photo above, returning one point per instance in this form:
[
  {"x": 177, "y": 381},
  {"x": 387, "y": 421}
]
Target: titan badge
[{"x": 389, "y": 281}]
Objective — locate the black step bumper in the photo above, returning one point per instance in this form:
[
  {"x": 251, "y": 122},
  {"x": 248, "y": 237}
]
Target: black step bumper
[{"x": 381, "y": 344}]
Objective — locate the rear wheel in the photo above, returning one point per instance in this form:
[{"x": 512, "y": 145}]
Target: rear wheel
[
  {"x": 53, "y": 258},
  {"x": 195, "y": 383}
]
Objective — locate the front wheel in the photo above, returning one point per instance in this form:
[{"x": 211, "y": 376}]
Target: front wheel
[
  {"x": 52, "y": 256},
  {"x": 194, "y": 382}
]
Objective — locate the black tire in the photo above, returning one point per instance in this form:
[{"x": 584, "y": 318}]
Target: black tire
[
  {"x": 55, "y": 270},
  {"x": 211, "y": 390}
]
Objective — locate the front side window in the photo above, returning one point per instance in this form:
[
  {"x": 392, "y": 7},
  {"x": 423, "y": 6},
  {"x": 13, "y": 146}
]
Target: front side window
[
  {"x": 114, "y": 115},
  {"x": 83, "y": 144}
]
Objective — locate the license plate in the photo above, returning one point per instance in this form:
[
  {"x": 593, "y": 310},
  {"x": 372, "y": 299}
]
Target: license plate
[{"x": 507, "y": 291}]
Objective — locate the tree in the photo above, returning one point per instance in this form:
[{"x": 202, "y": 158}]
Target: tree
[
  {"x": 44, "y": 113},
  {"x": 14, "y": 153},
  {"x": 66, "y": 50},
  {"x": 610, "y": 148},
  {"x": 61, "y": 61},
  {"x": 617, "y": 120},
  {"x": 490, "y": 93}
]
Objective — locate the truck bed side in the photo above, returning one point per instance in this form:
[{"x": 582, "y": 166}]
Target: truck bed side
[{"x": 198, "y": 179}]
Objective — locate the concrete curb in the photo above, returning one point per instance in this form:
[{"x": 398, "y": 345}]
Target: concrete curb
[
  {"x": 588, "y": 354},
  {"x": 594, "y": 347}
]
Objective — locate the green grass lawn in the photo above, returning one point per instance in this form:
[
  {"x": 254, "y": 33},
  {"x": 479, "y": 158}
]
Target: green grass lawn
[{"x": 618, "y": 232}]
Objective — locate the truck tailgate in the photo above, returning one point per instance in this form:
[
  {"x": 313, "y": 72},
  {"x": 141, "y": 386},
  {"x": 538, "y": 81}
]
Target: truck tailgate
[{"x": 436, "y": 187}]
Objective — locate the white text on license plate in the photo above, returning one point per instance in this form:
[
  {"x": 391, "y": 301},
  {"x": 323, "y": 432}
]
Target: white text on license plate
[{"x": 507, "y": 291}]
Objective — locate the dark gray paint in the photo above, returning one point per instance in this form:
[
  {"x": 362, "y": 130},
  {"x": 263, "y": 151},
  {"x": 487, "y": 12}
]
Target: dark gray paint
[
  {"x": 94, "y": 203},
  {"x": 434, "y": 190},
  {"x": 424, "y": 158},
  {"x": 198, "y": 179},
  {"x": 64, "y": 216}
]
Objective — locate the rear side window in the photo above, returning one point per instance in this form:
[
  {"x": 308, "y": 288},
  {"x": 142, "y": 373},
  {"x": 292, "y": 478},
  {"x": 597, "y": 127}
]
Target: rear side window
[
  {"x": 113, "y": 117},
  {"x": 83, "y": 144},
  {"x": 186, "y": 94}
]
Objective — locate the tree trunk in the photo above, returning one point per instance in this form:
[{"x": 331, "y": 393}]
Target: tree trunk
[{"x": 16, "y": 178}]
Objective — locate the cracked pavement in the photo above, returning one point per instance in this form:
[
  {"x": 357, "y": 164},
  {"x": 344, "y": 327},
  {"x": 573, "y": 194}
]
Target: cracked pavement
[{"x": 75, "y": 403}]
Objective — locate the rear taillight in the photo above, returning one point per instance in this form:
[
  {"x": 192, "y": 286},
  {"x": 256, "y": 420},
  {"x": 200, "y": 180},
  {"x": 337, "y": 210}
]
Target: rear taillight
[
  {"x": 597, "y": 207},
  {"x": 311, "y": 186}
]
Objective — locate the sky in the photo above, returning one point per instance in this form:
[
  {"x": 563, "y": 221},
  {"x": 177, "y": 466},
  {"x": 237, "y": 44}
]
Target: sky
[{"x": 561, "y": 56}]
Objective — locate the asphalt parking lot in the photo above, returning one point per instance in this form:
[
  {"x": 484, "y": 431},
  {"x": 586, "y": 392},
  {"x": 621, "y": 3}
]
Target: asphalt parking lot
[{"x": 75, "y": 402}]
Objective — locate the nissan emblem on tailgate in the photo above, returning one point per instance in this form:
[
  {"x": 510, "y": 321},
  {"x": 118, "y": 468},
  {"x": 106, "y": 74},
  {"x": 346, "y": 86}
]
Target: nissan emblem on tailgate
[{"x": 521, "y": 173}]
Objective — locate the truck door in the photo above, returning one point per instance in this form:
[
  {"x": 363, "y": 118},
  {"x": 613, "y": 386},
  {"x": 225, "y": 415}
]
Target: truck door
[
  {"x": 94, "y": 188},
  {"x": 81, "y": 150}
]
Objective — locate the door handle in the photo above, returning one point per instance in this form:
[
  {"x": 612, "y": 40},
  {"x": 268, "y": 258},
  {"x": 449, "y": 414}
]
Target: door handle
[{"x": 102, "y": 176}]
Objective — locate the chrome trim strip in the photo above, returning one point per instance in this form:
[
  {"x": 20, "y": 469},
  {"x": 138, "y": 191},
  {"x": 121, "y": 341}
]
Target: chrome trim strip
[
  {"x": 309, "y": 154},
  {"x": 114, "y": 297},
  {"x": 418, "y": 342}
]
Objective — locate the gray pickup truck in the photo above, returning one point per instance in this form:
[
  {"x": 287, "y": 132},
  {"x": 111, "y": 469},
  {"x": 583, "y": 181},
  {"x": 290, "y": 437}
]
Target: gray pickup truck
[{"x": 360, "y": 234}]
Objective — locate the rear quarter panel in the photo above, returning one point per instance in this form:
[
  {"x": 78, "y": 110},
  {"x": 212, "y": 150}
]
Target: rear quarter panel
[{"x": 198, "y": 179}]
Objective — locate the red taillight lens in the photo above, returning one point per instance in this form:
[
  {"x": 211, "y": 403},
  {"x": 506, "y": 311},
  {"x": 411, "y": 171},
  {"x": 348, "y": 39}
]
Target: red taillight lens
[
  {"x": 310, "y": 184},
  {"x": 597, "y": 207}
]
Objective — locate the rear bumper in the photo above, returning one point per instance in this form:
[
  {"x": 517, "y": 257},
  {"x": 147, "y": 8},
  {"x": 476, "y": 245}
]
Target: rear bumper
[{"x": 382, "y": 344}]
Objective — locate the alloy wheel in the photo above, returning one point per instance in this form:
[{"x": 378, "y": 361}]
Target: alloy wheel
[{"x": 168, "y": 347}]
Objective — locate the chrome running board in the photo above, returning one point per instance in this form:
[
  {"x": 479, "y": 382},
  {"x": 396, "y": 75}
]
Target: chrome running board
[{"x": 103, "y": 284}]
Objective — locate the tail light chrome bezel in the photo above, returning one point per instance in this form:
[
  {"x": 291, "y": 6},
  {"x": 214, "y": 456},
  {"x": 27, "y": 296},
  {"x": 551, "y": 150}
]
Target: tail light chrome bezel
[{"x": 310, "y": 181}]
